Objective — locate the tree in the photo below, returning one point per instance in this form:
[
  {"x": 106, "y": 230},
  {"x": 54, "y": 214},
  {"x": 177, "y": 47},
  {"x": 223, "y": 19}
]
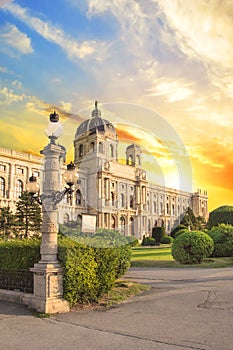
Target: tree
[
  {"x": 7, "y": 221},
  {"x": 191, "y": 221},
  {"x": 28, "y": 214},
  {"x": 221, "y": 215}
]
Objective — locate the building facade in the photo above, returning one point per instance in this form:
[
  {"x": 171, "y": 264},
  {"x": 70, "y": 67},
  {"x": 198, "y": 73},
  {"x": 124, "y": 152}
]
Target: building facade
[{"x": 118, "y": 195}]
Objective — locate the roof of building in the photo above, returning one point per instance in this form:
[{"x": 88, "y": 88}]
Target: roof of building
[{"x": 95, "y": 124}]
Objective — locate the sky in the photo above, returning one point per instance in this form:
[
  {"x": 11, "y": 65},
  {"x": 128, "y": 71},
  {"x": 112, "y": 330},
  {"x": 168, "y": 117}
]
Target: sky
[{"x": 161, "y": 70}]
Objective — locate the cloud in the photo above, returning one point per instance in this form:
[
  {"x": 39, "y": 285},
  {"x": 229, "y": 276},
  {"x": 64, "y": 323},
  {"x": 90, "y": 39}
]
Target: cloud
[
  {"x": 73, "y": 49},
  {"x": 171, "y": 89},
  {"x": 202, "y": 28},
  {"x": 13, "y": 37},
  {"x": 7, "y": 96}
]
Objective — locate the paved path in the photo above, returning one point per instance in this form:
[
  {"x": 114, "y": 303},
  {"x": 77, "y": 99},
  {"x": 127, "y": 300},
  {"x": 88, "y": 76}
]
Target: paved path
[{"x": 185, "y": 309}]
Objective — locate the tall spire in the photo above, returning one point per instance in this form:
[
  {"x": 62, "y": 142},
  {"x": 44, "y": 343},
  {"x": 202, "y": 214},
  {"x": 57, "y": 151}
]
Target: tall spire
[{"x": 96, "y": 113}]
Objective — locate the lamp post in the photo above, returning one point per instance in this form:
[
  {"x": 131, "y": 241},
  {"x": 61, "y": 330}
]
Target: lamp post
[{"x": 48, "y": 276}]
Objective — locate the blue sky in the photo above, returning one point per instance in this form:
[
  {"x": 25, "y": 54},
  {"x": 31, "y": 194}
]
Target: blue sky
[{"x": 174, "y": 58}]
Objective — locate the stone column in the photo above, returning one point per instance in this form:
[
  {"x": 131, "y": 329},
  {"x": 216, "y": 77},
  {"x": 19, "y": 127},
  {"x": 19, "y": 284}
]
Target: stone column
[{"x": 48, "y": 275}]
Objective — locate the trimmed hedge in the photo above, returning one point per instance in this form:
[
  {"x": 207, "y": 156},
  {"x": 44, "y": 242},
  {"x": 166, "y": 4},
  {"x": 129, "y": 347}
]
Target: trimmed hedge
[
  {"x": 158, "y": 233},
  {"x": 192, "y": 247},
  {"x": 89, "y": 271},
  {"x": 167, "y": 240},
  {"x": 19, "y": 254},
  {"x": 148, "y": 241}
]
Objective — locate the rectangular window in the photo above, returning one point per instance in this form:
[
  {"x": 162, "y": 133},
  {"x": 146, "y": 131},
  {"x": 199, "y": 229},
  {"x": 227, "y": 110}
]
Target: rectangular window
[
  {"x": 2, "y": 167},
  {"x": 19, "y": 171},
  {"x": 36, "y": 173}
]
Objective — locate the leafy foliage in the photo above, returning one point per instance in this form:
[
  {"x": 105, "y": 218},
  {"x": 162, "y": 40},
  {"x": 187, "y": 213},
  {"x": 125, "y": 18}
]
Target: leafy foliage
[
  {"x": 158, "y": 233},
  {"x": 220, "y": 215},
  {"x": 222, "y": 236},
  {"x": 178, "y": 228},
  {"x": 167, "y": 240},
  {"x": 89, "y": 270},
  {"x": 7, "y": 222},
  {"x": 192, "y": 247},
  {"x": 148, "y": 241},
  {"x": 191, "y": 222},
  {"x": 19, "y": 254}
]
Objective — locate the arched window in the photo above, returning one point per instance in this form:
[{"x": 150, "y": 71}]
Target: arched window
[
  {"x": 138, "y": 160},
  {"x": 2, "y": 187},
  {"x": 149, "y": 225},
  {"x": 154, "y": 207},
  {"x": 66, "y": 218},
  {"x": 173, "y": 209},
  {"x": 111, "y": 150},
  {"x": 122, "y": 200},
  {"x": 131, "y": 204},
  {"x": 80, "y": 151},
  {"x": 168, "y": 225},
  {"x": 122, "y": 225},
  {"x": 130, "y": 160},
  {"x": 112, "y": 198},
  {"x": 18, "y": 188},
  {"x": 92, "y": 146},
  {"x": 101, "y": 147},
  {"x": 113, "y": 222},
  {"x": 131, "y": 226},
  {"x": 78, "y": 197}
]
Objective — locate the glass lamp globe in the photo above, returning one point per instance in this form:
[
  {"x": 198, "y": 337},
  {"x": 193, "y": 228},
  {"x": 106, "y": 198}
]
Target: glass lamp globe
[
  {"x": 70, "y": 176},
  {"x": 54, "y": 130},
  {"x": 32, "y": 187}
]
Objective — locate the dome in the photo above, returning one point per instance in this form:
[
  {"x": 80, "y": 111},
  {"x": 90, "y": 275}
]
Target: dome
[{"x": 95, "y": 124}]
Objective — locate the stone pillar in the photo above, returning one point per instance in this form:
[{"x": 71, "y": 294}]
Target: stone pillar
[{"x": 48, "y": 276}]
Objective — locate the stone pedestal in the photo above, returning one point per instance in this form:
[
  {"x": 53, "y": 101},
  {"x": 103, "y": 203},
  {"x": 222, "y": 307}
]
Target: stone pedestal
[{"x": 48, "y": 289}]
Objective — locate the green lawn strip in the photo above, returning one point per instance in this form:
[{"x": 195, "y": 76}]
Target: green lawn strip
[
  {"x": 161, "y": 257},
  {"x": 151, "y": 253}
]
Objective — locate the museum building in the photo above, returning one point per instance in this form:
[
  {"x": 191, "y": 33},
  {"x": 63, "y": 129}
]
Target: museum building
[{"x": 119, "y": 196}]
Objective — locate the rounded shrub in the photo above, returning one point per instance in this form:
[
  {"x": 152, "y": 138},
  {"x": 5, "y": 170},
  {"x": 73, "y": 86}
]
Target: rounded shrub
[
  {"x": 178, "y": 233},
  {"x": 167, "y": 240},
  {"x": 148, "y": 241},
  {"x": 223, "y": 214},
  {"x": 222, "y": 235},
  {"x": 178, "y": 228},
  {"x": 192, "y": 247}
]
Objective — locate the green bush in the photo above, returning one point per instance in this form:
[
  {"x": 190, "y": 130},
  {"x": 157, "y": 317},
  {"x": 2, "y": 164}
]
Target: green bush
[
  {"x": 158, "y": 233},
  {"x": 167, "y": 240},
  {"x": 221, "y": 233},
  {"x": 178, "y": 228},
  {"x": 192, "y": 247},
  {"x": 148, "y": 241},
  {"x": 89, "y": 270},
  {"x": 19, "y": 254},
  {"x": 179, "y": 232},
  {"x": 220, "y": 215},
  {"x": 222, "y": 236}
]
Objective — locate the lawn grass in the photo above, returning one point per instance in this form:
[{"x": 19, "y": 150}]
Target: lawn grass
[{"x": 161, "y": 257}]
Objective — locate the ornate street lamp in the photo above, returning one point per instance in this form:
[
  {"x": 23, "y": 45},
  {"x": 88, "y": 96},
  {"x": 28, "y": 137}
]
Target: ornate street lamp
[
  {"x": 70, "y": 177},
  {"x": 48, "y": 276}
]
